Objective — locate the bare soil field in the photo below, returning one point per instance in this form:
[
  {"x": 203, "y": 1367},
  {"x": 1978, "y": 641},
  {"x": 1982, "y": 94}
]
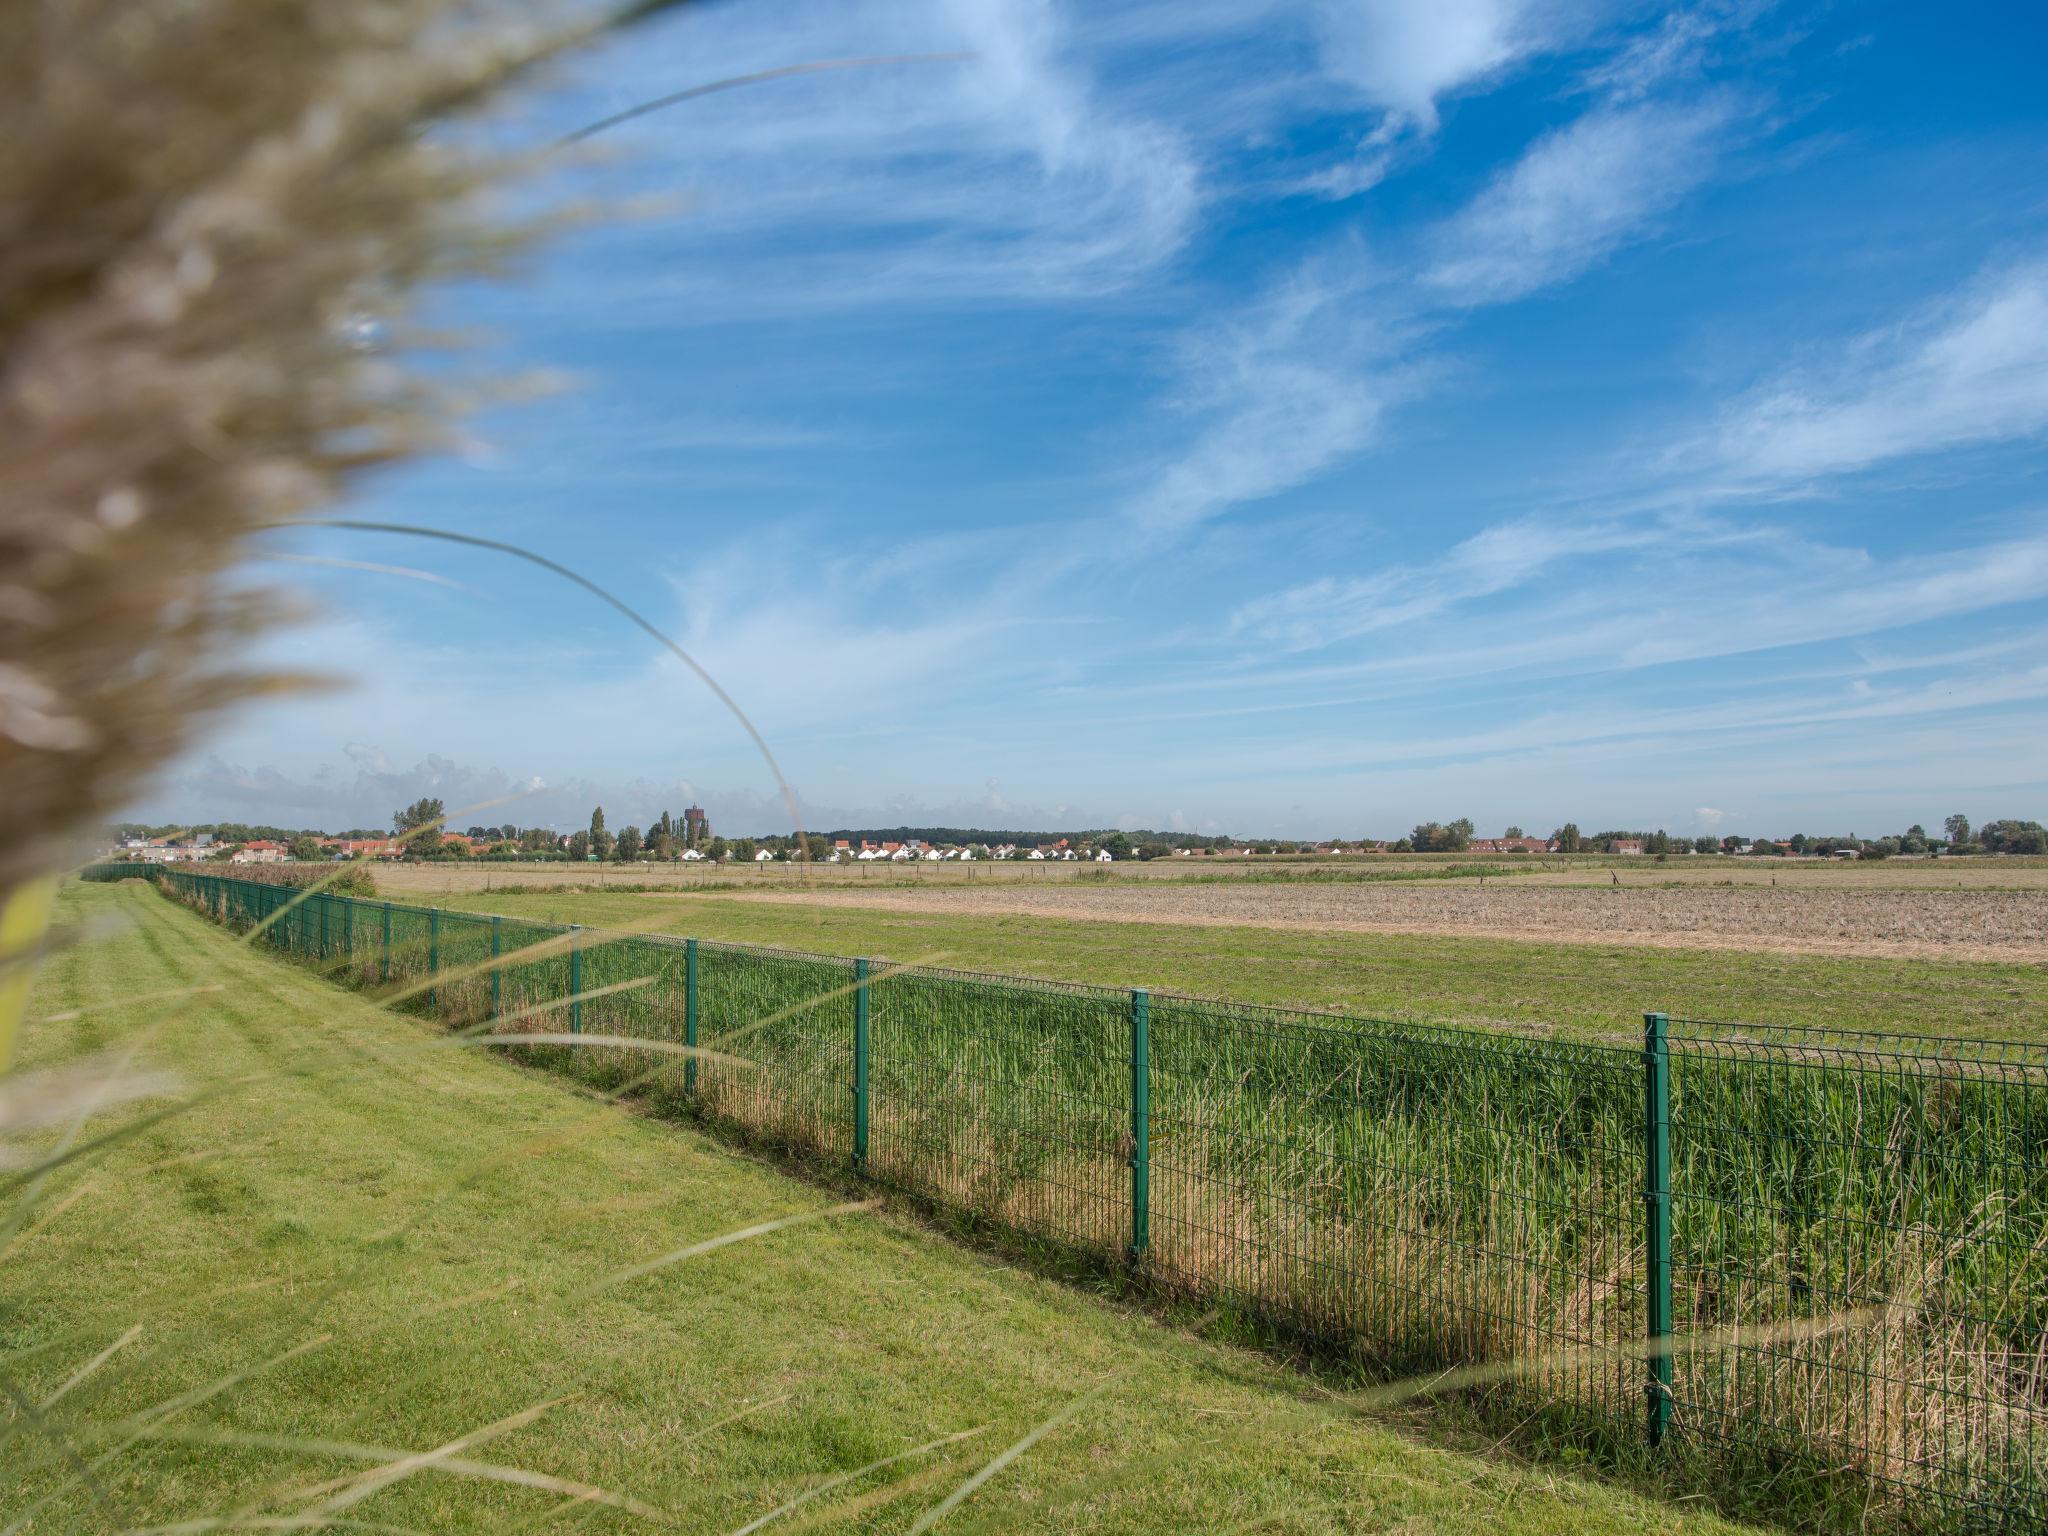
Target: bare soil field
[
  {"x": 2016, "y": 874},
  {"x": 1933, "y": 923}
]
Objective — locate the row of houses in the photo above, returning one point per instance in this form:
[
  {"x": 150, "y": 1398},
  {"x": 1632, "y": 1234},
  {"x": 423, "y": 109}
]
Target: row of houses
[{"x": 868, "y": 851}]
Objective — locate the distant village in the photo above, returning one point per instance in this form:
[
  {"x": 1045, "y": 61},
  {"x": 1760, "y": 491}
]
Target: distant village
[{"x": 418, "y": 832}]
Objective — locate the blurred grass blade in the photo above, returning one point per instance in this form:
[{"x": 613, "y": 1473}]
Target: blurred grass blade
[
  {"x": 966, "y": 1490},
  {"x": 843, "y": 1478},
  {"x": 723, "y": 1240},
  {"x": 758, "y": 77}
]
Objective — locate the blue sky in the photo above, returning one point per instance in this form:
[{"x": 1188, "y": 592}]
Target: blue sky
[{"x": 1278, "y": 418}]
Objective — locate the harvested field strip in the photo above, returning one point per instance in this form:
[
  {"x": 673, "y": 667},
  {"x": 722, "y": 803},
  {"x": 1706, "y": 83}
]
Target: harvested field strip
[
  {"x": 1860, "y": 1211},
  {"x": 1948, "y": 925}
]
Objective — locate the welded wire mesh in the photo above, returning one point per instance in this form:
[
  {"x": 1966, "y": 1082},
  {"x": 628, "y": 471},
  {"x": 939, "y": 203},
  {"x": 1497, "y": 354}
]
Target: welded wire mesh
[
  {"x": 1875, "y": 1210},
  {"x": 788, "y": 1018},
  {"x": 1007, "y": 1099},
  {"x": 1858, "y": 1224},
  {"x": 1426, "y": 1197}
]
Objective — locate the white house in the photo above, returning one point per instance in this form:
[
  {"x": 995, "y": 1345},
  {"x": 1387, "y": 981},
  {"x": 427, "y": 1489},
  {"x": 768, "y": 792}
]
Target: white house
[
  {"x": 1035, "y": 854},
  {"x": 691, "y": 856},
  {"x": 1102, "y": 856},
  {"x": 763, "y": 856}
]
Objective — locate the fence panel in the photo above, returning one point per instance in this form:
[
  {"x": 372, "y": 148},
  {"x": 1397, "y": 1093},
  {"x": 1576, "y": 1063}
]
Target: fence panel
[
  {"x": 1005, "y": 1099},
  {"x": 1872, "y": 1212},
  {"x": 789, "y": 1016},
  {"x": 1422, "y": 1197}
]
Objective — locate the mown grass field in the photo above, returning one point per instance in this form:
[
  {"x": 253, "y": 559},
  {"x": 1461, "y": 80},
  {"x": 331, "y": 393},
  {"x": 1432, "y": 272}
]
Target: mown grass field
[
  {"x": 1591, "y": 989},
  {"x": 343, "y": 1238}
]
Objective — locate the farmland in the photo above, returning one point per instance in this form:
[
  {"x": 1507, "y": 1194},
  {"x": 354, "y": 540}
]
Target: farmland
[
  {"x": 458, "y": 876},
  {"x": 1586, "y": 983},
  {"x": 336, "y": 1244}
]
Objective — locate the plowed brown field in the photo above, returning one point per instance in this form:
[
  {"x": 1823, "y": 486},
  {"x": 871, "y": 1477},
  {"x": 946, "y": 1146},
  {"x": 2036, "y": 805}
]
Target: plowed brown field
[{"x": 2009, "y": 925}]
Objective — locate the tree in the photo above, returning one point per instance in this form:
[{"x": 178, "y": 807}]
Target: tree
[
  {"x": 1659, "y": 843},
  {"x": 718, "y": 848},
  {"x": 579, "y": 845},
  {"x": 600, "y": 840},
  {"x": 627, "y": 848},
  {"x": 1705, "y": 845},
  {"x": 419, "y": 827},
  {"x": 1513, "y": 832},
  {"x": 2013, "y": 837},
  {"x": 305, "y": 848},
  {"x": 419, "y": 814},
  {"x": 1567, "y": 838},
  {"x": 743, "y": 850},
  {"x": 1957, "y": 827},
  {"x": 1434, "y": 837}
]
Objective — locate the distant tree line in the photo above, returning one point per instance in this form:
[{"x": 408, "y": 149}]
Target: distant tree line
[{"x": 419, "y": 828}]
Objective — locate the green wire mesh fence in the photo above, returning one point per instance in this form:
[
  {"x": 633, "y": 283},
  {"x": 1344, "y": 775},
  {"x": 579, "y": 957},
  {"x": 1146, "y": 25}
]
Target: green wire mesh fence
[{"x": 1826, "y": 1254}]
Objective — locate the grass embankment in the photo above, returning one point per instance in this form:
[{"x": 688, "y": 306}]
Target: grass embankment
[
  {"x": 1578, "y": 988},
  {"x": 425, "y": 1225}
]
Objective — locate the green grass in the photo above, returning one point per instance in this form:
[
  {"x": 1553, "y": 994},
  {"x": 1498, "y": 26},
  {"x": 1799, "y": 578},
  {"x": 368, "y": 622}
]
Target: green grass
[
  {"x": 1585, "y": 989},
  {"x": 424, "y": 1223}
]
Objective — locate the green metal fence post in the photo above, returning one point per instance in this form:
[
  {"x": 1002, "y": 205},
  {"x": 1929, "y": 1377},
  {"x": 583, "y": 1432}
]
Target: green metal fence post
[
  {"x": 322, "y": 899},
  {"x": 1141, "y": 1122},
  {"x": 387, "y": 941},
  {"x": 690, "y": 1014},
  {"x": 433, "y": 952},
  {"x": 1657, "y": 1215},
  {"x": 497, "y": 973},
  {"x": 860, "y": 1066},
  {"x": 575, "y": 979}
]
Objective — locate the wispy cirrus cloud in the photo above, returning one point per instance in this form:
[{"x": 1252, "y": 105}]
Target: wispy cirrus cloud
[
  {"x": 1306, "y": 377},
  {"x": 1490, "y": 606},
  {"x": 1969, "y": 368},
  {"x": 1003, "y": 174},
  {"x": 1300, "y": 381},
  {"x": 1576, "y": 196}
]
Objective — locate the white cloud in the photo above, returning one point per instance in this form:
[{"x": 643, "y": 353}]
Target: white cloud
[
  {"x": 1405, "y": 55},
  {"x": 1298, "y": 383},
  {"x": 1971, "y": 369},
  {"x": 1448, "y": 628},
  {"x": 1499, "y": 559},
  {"x": 1575, "y": 197},
  {"x": 1003, "y": 174}
]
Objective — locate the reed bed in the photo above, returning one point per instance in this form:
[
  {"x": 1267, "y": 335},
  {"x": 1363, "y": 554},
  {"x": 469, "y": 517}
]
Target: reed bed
[{"x": 1858, "y": 1223}]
